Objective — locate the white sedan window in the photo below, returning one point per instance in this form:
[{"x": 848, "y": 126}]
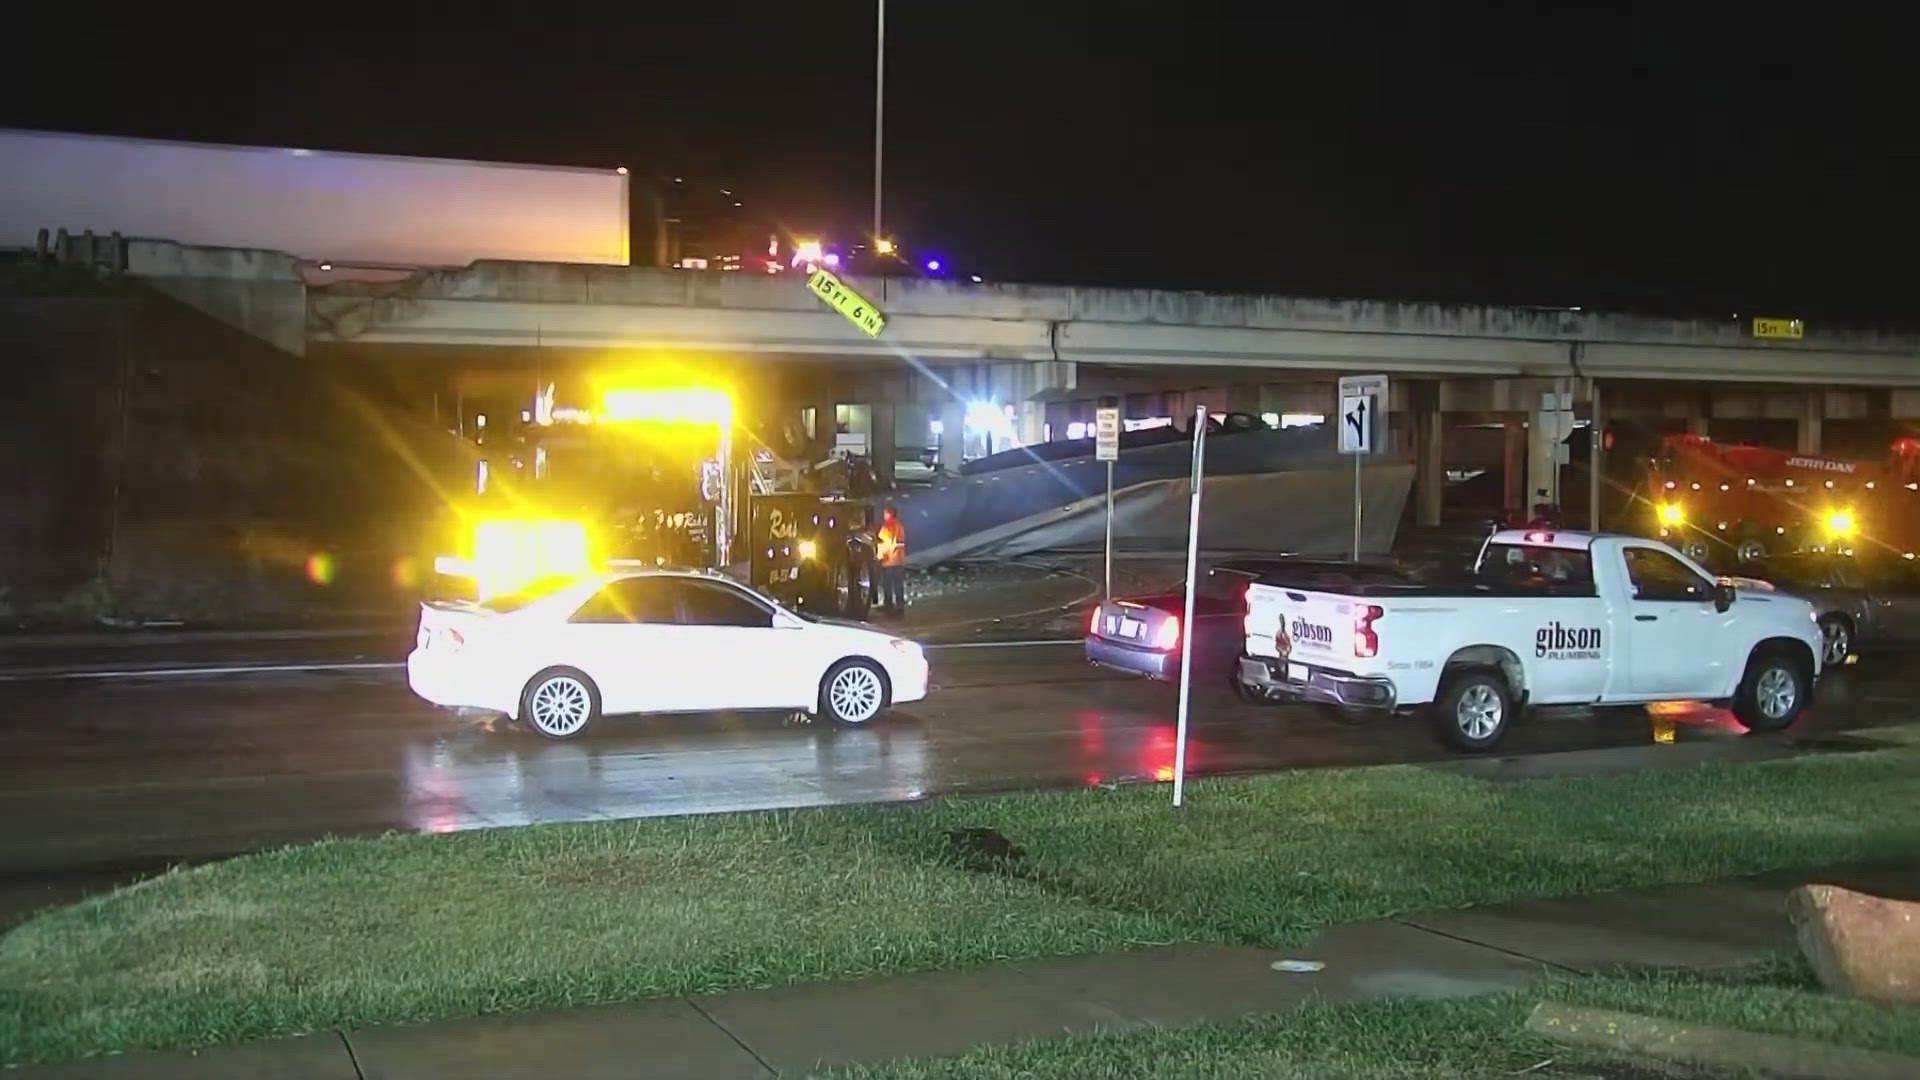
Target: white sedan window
[
  {"x": 710, "y": 603},
  {"x": 629, "y": 600}
]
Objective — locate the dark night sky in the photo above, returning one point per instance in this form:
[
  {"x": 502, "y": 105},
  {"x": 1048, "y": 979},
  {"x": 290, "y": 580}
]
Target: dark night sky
[{"x": 1595, "y": 158}]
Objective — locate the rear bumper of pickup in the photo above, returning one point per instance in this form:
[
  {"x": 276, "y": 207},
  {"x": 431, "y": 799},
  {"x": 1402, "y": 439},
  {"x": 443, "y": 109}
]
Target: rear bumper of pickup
[{"x": 1311, "y": 683}]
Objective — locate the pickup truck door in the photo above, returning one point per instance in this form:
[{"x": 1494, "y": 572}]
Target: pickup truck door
[{"x": 1675, "y": 639}]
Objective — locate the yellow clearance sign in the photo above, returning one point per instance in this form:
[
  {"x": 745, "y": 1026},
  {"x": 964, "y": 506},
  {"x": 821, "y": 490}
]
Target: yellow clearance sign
[
  {"x": 1778, "y": 328},
  {"x": 847, "y": 302}
]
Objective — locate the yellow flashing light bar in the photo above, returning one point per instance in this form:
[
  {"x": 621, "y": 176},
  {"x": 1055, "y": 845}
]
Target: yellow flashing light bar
[
  {"x": 682, "y": 405},
  {"x": 512, "y": 553}
]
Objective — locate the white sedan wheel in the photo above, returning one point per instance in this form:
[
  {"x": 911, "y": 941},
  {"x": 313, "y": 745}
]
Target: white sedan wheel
[
  {"x": 559, "y": 706},
  {"x": 854, "y": 692}
]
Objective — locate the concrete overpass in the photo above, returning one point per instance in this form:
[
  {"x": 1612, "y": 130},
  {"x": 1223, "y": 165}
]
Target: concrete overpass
[
  {"x": 1049, "y": 352},
  {"x": 499, "y": 304}
]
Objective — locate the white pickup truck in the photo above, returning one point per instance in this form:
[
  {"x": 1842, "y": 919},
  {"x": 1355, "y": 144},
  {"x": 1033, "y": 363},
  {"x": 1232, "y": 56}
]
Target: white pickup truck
[{"x": 1548, "y": 618}]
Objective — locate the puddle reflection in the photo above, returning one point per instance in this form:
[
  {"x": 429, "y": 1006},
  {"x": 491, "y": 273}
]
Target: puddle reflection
[{"x": 473, "y": 777}]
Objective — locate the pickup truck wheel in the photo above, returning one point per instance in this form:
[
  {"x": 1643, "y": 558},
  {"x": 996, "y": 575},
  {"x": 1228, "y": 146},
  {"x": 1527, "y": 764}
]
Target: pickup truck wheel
[
  {"x": 1473, "y": 710},
  {"x": 1773, "y": 692}
]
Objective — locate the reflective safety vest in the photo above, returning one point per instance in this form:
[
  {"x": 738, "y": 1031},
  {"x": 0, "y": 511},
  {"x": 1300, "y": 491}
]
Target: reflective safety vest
[{"x": 892, "y": 543}]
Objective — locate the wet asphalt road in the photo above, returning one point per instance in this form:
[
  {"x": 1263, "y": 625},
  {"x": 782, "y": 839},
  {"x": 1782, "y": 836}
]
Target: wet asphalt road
[{"x": 111, "y": 777}]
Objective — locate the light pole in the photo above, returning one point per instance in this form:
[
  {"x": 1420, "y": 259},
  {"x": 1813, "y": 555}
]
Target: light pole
[{"x": 879, "y": 109}]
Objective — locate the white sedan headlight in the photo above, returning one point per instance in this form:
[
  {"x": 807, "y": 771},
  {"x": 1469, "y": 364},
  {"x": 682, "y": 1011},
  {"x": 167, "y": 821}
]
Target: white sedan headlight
[{"x": 911, "y": 648}]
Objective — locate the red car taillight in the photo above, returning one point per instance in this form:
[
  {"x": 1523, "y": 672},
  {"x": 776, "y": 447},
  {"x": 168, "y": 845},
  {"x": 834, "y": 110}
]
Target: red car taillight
[
  {"x": 1365, "y": 641},
  {"x": 1167, "y": 636},
  {"x": 1093, "y": 622}
]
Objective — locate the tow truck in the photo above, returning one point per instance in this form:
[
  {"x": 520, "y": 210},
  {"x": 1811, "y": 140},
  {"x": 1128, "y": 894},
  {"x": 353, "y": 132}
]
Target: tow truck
[
  {"x": 655, "y": 476},
  {"x": 1725, "y": 503}
]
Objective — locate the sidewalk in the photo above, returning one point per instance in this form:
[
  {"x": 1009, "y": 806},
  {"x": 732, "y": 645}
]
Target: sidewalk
[{"x": 790, "y": 1031}]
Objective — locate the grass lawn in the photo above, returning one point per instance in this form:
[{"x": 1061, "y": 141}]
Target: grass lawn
[
  {"x": 1473, "y": 1037},
  {"x": 405, "y": 927},
  {"x": 412, "y": 927},
  {"x": 1266, "y": 860}
]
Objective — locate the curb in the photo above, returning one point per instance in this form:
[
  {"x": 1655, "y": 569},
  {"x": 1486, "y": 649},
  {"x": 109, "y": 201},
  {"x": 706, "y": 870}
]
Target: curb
[
  {"x": 1714, "y": 1047},
  {"x": 84, "y": 639}
]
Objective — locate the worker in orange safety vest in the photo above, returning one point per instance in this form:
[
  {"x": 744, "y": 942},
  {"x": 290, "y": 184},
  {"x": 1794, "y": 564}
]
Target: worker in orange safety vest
[{"x": 890, "y": 545}]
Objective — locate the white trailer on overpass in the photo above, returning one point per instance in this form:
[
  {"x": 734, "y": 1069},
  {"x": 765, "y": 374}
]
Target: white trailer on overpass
[{"x": 348, "y": 209}]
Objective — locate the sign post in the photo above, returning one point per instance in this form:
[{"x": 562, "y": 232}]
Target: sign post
[
  {"x": 1186, "y": 623},
  {"x": 1106, "y": 447},
  {"x": 1363, "y": 399}
]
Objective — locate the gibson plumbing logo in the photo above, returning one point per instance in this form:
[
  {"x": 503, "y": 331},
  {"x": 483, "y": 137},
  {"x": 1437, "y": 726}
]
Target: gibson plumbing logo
[
  {"x": 1312, "y": 632},
  {"x": 1556, "y": 642}
]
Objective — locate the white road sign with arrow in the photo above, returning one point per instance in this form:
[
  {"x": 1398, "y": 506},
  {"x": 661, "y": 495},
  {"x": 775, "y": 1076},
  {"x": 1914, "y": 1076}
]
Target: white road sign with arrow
[
  {"x": 1363, "y": 400},
  {"x": 1363, "y": 425}
]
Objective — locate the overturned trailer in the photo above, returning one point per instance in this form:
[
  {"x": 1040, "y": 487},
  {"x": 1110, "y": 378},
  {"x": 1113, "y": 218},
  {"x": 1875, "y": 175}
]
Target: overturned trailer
[{"x": 1265, "y": 490}]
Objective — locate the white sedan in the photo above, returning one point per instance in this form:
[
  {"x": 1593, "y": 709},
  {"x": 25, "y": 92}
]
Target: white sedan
[{"x": 654, "y": 641}]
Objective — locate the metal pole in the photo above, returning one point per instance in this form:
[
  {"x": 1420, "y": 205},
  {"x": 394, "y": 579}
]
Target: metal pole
[
  {"x": 1186, "y": 624},
  {"x": 1356, "y": 501},
  {"x": 1109, "y": 593},
  {"x": 1596, "y": 421},
  {"x": 879, "y": 109},
  {"x": 723, "y": 533}
]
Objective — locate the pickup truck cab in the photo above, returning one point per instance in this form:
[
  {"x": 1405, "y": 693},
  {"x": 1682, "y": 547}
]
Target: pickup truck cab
[{"x": 1547, "y": 618}]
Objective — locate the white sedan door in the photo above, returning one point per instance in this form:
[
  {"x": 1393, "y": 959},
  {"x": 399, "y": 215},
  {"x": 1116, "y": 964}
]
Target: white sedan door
[
  {"x": 736, "y": 657},
  {"x": 626, "y": 639}
]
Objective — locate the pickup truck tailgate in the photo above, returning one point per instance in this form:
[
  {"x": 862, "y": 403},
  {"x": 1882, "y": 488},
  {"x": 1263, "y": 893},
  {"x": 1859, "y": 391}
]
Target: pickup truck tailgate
[{"x": 1316, "y": 627}]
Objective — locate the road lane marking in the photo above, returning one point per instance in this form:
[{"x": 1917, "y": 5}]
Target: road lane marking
[
  {"x": 182, "y": 672},
  {"x": 1005, "y": 644},
  {"x": 384, "y": 665}
]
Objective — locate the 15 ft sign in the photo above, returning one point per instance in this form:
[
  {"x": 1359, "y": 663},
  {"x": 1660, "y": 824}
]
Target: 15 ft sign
[{"x": 844, "y": 300}]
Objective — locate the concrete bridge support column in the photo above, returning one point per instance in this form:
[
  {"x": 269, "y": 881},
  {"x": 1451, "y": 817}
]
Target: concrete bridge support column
[
  {"x": 953, "y": 434},
  {"x": 1241, "y": 397},
  {"x": 1596, "y": 457},
  {"x": 1514, "y": 466},
  {"x": 1812, "y": 412},
  {"x": 1548, "y": 429},
  {"x": 1429, "y": 459},
  {"x": 825, "y": 425},
  {"x": 1029, "y": 387},
  {"x": 881, "y": 439},
  {"x": 1030, "y": 422}
]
